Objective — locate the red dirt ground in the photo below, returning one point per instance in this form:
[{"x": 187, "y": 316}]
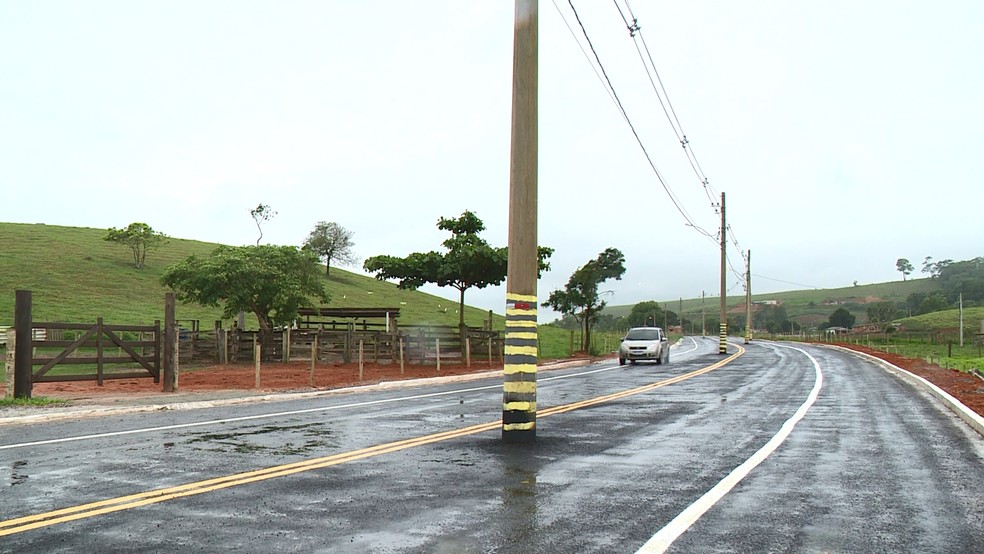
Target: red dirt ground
[
  {"x": 967, "y": 388},
  {"x": 273, "y": 377}
]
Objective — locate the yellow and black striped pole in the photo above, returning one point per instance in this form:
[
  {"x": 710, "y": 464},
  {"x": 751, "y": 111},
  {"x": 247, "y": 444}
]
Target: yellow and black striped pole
[
  {"x": 519, "y": 368},
  {"x": 519, "y": 365}
]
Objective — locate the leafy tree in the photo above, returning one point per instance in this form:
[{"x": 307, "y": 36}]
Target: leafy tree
[
  {"x": 646, "y": 313},
  {"x": 913, "y": 301},
  {"x": 272, "y": 282},
  {"x": 841, "y": 318},
  {"x": 468, "y": 262},
  {"x": 580, "y": 298},
  {"x": 881, "y": 312},
  {"x": 966, "y": 277},
  {"x": 261, "y": 214},
  {"x": 933, "y": 303},
  {"x": 934, "y": 268},
  {"x": 904, "y": 267},
  {"x": 331, "y": 241},
  {"x": 772, "y": 318},
  {"x": 140, "y": 237}
]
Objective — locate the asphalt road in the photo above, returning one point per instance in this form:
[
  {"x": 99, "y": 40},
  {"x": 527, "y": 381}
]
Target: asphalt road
[{"x": 782, "y": 449}]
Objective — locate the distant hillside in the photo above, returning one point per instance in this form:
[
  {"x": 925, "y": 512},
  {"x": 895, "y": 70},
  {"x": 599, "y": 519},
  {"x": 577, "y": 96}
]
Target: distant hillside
[
  {"x": 946, "y": 319},
  {"x": 76, "y": 276},
  {"x": 807, "y": 307}
]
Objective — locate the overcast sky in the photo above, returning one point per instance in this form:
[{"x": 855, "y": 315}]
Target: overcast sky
[{"x": 845, "y": 134}]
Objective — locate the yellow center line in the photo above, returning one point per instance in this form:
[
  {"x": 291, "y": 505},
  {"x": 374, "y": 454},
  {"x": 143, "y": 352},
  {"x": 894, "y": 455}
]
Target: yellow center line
[{"x": 92, "y": 509}]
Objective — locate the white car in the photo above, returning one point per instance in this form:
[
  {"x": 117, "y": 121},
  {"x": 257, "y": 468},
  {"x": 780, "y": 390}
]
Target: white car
[{"x": 644, "y": 344}]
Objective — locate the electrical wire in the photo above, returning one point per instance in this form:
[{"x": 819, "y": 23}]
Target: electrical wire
[
  {"x": 785, "y": 282},
  {"x": 635, "y": 32},
  {"x": 585, "y": 52},
  {"x": 676, "y": 202}
]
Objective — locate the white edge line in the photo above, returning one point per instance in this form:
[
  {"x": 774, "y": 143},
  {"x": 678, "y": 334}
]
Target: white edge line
[
  {"x": 970, "y": 417},
  {"x": 679, "y": 525}
]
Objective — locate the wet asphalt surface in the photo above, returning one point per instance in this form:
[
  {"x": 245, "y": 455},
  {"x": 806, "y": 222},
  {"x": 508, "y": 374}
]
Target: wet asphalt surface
[{"x": 874, "y": 466}]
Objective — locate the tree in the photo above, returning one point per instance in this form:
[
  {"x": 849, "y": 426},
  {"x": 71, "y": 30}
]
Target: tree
[
  {"x": 272, "y": 282},
  {"x": 904, "y": 267},
  {"x": 140, "y": 237},
  {"x": 881, "y": 312},
  {"x": 468, "y": 262},
  {"x": 261, "y": 214},
  {"x": 933, "y": 303},
  {"x": 331, "y": 241},
  {"x": 646, "y": 313},
  {"x": 580, "y": 298},
  {"x": 841, "y": 318}
]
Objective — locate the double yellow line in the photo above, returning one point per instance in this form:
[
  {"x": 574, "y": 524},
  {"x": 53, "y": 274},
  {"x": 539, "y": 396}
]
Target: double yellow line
[{"x": 92, "y": 509}]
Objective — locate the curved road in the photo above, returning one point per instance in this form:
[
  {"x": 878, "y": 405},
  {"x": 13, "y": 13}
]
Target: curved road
[{"x": 782, "y": 448}]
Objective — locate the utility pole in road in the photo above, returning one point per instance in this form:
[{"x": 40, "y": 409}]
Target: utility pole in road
[
  {"x": 723, "y": 346},
  {"x": 519, "y": 364}
]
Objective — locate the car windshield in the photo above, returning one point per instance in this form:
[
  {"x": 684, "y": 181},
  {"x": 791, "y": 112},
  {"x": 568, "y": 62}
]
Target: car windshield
[{"x": 642, "y": 334}]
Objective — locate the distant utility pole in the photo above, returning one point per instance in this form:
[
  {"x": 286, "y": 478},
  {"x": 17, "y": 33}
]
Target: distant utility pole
[
  {"x": 723, "y": 345},
  {"x": 520, "y": 356},
  {"x": 748, "y": 297},
  {"x": 681, "y": 316},
  {"x": 703, "y": 323},
  {"x": 961, "y": 320}
]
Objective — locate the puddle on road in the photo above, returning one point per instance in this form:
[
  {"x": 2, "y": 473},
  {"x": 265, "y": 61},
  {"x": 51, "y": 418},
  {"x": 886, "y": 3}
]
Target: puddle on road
[{"x": 279, "y": 440}]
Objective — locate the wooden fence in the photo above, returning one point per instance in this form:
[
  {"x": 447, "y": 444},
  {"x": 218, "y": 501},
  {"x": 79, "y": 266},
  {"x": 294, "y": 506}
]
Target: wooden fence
[
  {"x": 96, "y": 346},
  {"x": 420, "y": 345}
]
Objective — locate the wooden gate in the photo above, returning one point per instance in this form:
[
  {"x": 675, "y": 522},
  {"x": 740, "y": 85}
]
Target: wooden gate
[{"x": 94, "y": 347}]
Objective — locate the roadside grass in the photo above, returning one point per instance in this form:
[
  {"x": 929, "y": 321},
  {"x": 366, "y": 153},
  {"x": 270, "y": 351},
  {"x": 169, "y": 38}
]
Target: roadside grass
[{"x": 32, "y": 402}]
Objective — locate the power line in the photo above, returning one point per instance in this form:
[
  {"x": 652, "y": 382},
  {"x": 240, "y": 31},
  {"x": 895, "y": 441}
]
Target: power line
[
  {"x": 635, "y": 32},
  {"x": 625, "y": 115},
  {"x": 786, "y": 282},
  {"x": 586, "y": 56}
]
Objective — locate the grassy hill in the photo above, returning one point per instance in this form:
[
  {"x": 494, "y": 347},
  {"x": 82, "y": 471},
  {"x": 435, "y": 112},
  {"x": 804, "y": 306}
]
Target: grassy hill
[
  {"x": 946, "y": 319},
  {"x": 807, "y": 307},
  {"x": 76, "y": 276}
]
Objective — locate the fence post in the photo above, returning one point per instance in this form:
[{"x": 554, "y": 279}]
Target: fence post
[
  {"x": 256, "y": 362},
  {"x": 314, "y": 358},
  {"x": 360, "y": 360},
  {"x": 157, "y": 349},
  {"x": 490, "y": 350},
  {"x": 170, "y": 345},
  {"x": 99, "y": 351},
  {"x": 437, "y": 350},
  {"x": 9, "y": 363},
  {"x": 23, "y": 356},
  {"x": 286, "y": 343},
  {"x": 401, "y": 355},
  {"x": 468, "y": 352}
]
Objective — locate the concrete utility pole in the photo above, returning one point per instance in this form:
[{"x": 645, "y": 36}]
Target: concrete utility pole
[
  {"x": 961, "y": 320},
  {"x": 519, "y": 364},
  {"x": 723, "y": 345},
  {"x": 748, "y": 297},
  {"x": 703, "y": 323}
]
